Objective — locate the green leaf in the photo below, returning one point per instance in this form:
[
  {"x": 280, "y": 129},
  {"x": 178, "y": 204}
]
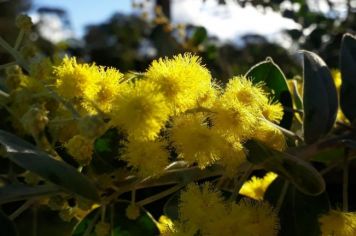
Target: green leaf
[
  {"x": 299, "y": 172},
  {"x": 348, "y": 75},
  {"x": 28, "y": 157},
  {"x": 268, "y": 72},
  {"x": 319, "y": 98},
  {"x": 7, "y": 227},
  {"x": 121, "y": 225},
  {"x": 200, "y": 34},
  {"x": 17, "y": 192},
  {"x": 299, "y": 212}
]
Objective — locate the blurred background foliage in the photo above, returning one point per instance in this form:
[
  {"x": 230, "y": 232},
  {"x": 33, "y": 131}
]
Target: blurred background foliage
[{"x": 130, "y": 42}]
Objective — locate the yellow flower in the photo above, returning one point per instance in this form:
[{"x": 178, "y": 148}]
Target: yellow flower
[
  {"x": 241, "y": 90},
  {"x": 273, "y": 112},
  {"x": 76, "y": 80},
  {"x": 338, "y": 223},
  {"x": 338, "y": 81},
  {"x": 256, "y": 187},
  {"x": 81, "y": 149},
  {"x": 140, "y": 110},
  {"x": 195, "y": 141},
  {"x": 199, "y": 206},
  {"x": 233, "y": 120},
  {"x": 254, "y": 218},
  {"x": 182, "y": 80},
  {"x": 132, "y": 211},
  {"x": 270, "y": 136},
  {"x": 233, "y": 155},
  {"x": 149, "y": 158},
  {"x": 109, "y": 87}
]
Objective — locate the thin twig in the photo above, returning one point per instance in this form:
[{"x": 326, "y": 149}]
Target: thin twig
[
  {"x": 282, "y": 196},
  {"x": 241, "y": 181},
  {"x": 22, "y": 208},
  {"x": 19, "y": 39},
  {"x": 160, "y": 195},
  {"x": 6, "y": 65}
]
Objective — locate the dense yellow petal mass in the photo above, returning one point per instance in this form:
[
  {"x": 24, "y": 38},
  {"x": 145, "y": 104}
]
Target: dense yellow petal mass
[
  {"x": 149, "y": 158},
  {"x": 338, "y": 223},
  {"x": 109, "y": 87},
  {"x": 200, "y": 205},
  {"x": 140, "y": 109},
  {"x": 81, "y": 149},
  {"x": 76, "y": 80},
  {"x": 256, "y": 187},
  {"x": 182, "y": 80},
  {"x": 270, "y": 136},
  {"x": 195, "y": 141},
  {"x": 273, "y": 112}
]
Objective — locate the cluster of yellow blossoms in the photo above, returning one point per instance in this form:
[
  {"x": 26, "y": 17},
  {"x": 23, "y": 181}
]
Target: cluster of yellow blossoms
[
  {"x": 174, "y": 105},
  {"x": 203, "y": 211}
]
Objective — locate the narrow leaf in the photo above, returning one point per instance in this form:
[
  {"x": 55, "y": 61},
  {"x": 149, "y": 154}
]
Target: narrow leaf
[
  {"x": 28, "y": 157},
  {"x": 319, "y": 98},
  {"x": 299, "y": 172},
  {"x": 348, "y": 76}
]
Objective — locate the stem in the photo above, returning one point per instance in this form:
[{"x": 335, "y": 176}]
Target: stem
[
  {"x": 91, "y": 224},
  {"x": 4, "y": 66},
  {"x": 103, "y": 213},
  {"x": 19, "y": 59},
  {"x": 241, "y": 181},
  {"x": 22, "y": 208},
  {"x": 286, "y": 132},
  {"x": 282, "y": 196},
  {"x": 15, "y": 54},
  {"x": 345, "y": 182},
  {"x": 160, "y": 195},
  {"x": 19, "y": 40}
]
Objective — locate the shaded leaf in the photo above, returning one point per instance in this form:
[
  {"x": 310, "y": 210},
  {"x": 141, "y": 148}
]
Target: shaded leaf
[
  {"x": 200, "y": 34},
  {"x": 319, "y": 98},
  {"x": 299, "y": 212},
  {"x": 28, "y": 157},
  {"x": 116, "y": 213},
  {"x": 10, "y": 193},
  {"x": 348, "y": 75},
  {"x": 272, "y": 76},
  {"x": 299, "y": 172}
]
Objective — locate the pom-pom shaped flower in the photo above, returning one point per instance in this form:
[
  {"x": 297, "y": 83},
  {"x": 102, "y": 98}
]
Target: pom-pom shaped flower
[
  {"x": 200, "y": 206},
  {"x": 195, "y": 141},
  {"x": 149, "y": 158},
  {"x": 273, "y": 112},
  {"x": 76, "y": 80},
  {"x": 338, "y": 223},
  {"x": 270, "y": 136},
  {"x": 182, "y": 80},
  {"x": 140, "y": 109},
  {"x": 109, "y": 86},
  {"x": 80, "y": 148}
]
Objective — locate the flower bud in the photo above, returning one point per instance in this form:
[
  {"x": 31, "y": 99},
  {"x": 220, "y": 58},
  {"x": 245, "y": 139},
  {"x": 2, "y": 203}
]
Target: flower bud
[{"x": 24, "y": 22}]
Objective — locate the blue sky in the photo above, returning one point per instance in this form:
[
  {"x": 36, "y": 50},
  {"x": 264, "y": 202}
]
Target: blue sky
[
  {"x": 228, "y": 22},
  {"x": 83, "y": 12}
]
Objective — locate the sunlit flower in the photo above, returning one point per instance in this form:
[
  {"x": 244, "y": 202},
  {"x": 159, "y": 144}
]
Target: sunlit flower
[
  {"x": 195, "y": 141},
  {"x": 149, "y": 158},
  {"x": 256, "y": 187},
  {"x": 182, "y": 80},
  {"x": 141, "y": 110},
  {"x": 273, "y": 112},
  {"x": 270, "y": 136},
  {"x": 76, "y": 80}
]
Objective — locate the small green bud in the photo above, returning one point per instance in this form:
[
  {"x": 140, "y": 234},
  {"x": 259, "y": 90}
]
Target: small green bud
[{"x": 24, "y": 22}]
